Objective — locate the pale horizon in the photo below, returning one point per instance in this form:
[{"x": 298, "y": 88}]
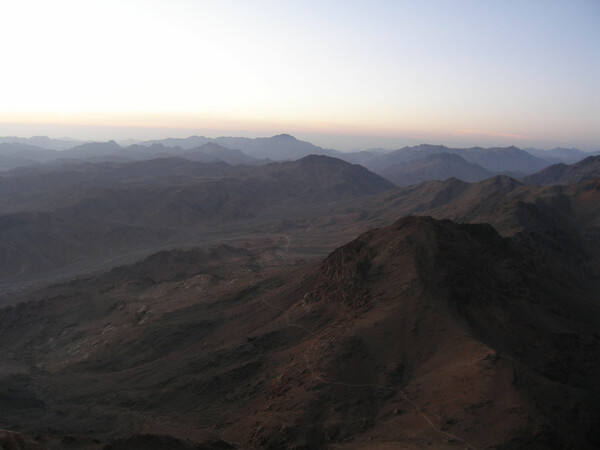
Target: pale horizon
[
  {"x": 345, "y": 143},
  {"x": 347, "y": 75}
]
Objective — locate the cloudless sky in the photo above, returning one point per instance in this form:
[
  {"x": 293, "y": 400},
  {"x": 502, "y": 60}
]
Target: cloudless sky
[{"x": 341, "y": 73}]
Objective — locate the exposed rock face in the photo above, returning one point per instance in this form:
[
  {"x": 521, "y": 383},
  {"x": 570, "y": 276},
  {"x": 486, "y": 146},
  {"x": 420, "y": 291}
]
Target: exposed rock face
[
  {"x": 439, "y": 292},
  {"x": 425, "y": 332},
  {"x": 343, "y": 275}
]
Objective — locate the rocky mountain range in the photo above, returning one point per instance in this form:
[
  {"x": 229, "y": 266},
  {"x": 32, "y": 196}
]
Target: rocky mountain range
[
  {"x": 170, "y": 303},
  {"x": 162, "y": 202},
  {"x": 438, "y": 166},
  {"x": 561, "y": 173},
  {"x": 19, "y": 152}
]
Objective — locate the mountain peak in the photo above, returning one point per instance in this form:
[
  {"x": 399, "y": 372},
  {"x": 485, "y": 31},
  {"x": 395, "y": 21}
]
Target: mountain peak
[
  {"x": 445, "y": 157},
  {"x": 502, "y": 181},
  {"x": 314, "y": 158},
  {"x": 348, "y": 271},
  {"x": 285, "y": 136},
  {"x": 213, "y": 146},
  {"x": 431, "y": 146},
  {"x": 561, "y": 173}
]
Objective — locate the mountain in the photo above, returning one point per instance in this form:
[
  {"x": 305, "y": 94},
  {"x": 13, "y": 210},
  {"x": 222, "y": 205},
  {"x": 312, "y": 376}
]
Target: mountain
[
  {"x": 496, "y": 160},
  {"x": 8, "y": 162},
  {"x": 102, "y": 218},
  {"x": 438, "y": 166},
  {"x": 380, "y": 161},
  {"x": 438, "y": 293},
  {"x": 586, "y": 169},
  {"x": 111, "y": 151},
  {"x": 141, "y": 152},
  {"x": 285, "y": 147},
  {"x": 209, "y": 152},
  {"x": 93, "y": 149},
  {"x": 466, "y": 316},
  {"x": 164, "y": 203},
  {"x": 13, "y": 155},
  {"x": 184, "y": 143},
  {"x": 561, "y": 217},
  {"x": 366, "y": 158},
  {"x": 42, "y": 142},
  {"x": 504, "y": 159},
  {"x": 276, "y": 148},
  {"x": 214, "y": 152},
  {"x": 321, "y": 177},
  {"x": 559, "y": 154},
  {"x": 31, "y": 152},
  {"x": 422, "y": 333},
  {"x": 48, "y": 187},
  {"x": 128, "y": 142}
]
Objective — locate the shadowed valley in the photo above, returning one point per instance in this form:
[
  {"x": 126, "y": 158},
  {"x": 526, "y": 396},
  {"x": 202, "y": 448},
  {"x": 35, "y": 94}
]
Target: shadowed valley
[{"x": 169, "y": 303}]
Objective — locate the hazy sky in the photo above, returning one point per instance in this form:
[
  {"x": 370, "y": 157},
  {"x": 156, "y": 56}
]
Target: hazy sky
[{"x": 345, "y": 74}]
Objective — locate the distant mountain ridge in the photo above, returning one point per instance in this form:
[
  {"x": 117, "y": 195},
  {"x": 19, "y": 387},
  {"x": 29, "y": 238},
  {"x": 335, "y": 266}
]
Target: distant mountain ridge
[
  {"x": 163, "y": 199},
  {"x": 494, "y": 159},
  {"x": 232, "y": 150},
  {"x": 43, "y": 142},
  {"x": 586, "y": 169},
  {"x": 250, "y": 145},
  {"x": 211, "y": 152},
  {"x": 559, "y": 154},
  {"x": 283, "y": 147},
  {"x": 14, "y": 155},
  {"x": 276, "y": 148},
  {"x": 439, "y": 166}
]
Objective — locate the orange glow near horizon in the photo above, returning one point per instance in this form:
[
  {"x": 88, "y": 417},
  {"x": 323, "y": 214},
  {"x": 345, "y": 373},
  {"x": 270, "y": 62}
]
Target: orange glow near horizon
[
  {"x": 191, "y": 121},
  {"x": 339, "y": 68}
]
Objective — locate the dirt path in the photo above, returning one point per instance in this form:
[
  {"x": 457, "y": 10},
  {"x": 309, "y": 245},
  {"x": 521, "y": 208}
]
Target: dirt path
[{"x": 315, "y": 374}]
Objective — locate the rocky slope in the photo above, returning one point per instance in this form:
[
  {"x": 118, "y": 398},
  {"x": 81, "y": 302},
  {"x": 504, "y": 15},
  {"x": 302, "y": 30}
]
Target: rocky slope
[
  {"x": 184, "y": 200},
  {"x": 583, "y": 170},
  {"x": 423, "y": 333}
]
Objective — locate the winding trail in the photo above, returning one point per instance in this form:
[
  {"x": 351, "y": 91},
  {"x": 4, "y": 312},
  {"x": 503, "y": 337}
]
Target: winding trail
[{"x": 315, "y": 374}]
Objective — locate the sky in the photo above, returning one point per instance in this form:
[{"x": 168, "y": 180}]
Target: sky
[{"x": 343, "y": 74}]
